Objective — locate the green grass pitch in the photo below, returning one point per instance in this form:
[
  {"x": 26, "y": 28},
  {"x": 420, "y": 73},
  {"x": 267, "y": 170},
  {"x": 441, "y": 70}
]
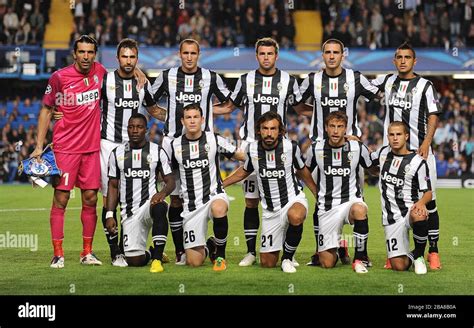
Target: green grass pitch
[{"x": 24, "y": 210}]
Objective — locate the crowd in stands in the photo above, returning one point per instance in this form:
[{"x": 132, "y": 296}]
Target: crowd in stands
[
  {"x": 214, "y": 23},
  {"x": 22, "y": 22},
  {"x": 388, "y": 23},
  {"x": 453, "y": 142},
  {"x": 237, "y": 23}
]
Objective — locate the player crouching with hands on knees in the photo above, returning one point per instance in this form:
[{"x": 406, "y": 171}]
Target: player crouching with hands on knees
[
  {"x": 133, "y": 171},
  {"x": 405, "y": 189}
]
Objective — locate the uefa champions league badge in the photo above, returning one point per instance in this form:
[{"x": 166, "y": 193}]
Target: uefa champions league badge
[
  {"x": 350, "y": 156},
  {"x": 407, "y": 168},
  {"x": 48, "y": 90},
  {"x": 201, "y": 84}
]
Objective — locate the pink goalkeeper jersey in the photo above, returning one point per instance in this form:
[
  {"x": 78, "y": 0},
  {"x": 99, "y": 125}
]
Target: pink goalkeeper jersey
[{"x": 77, "y": 95}]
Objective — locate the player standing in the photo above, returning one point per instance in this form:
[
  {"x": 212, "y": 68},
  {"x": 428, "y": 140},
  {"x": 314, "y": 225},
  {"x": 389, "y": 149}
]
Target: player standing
[
  {"x": 133, "y": 171},
  {"x": 182, "y": 86},
  {"x": 405, "y": 190},
  {"x": 121, "y": 98},
  {"x": 257, "y": 92},
  {"x": 277, "y": 162},
  {"x": 413, "y": 100},
  {"x": 75, "y": 91}
]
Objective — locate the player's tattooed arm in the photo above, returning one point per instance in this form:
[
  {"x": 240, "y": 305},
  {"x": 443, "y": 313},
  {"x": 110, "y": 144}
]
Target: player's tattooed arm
[
  {"x": 159, "y": 197},
  {"x": 226, "y": 107},
  {"x": 157, "y": 112},
  {"x": 305, "y": 176},
  {"x": 303, "y": 109},
  {"x": 112, "y": 201},
  {"x": 236, "y": 176},
  {"x": 424, "y": 149},
  {"x": 44, "y": 119}
]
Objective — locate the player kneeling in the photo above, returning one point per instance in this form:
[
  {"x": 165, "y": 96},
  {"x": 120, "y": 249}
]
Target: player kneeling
[
  {"x": 196, "y": 155},
  {"x": 405, "y": 190},
  {"x": 134, "y": 167},
  {"x": 277, "y": 162},
  {"x": 334, "y": 163}
]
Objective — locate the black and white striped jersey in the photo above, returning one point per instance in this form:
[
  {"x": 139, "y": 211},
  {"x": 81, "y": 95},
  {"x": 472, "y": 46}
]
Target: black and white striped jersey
[
  {"x": 198, "y": 164},
  {"x": 410, "y": 101},
  {"x": 121, "y": 99},
  {"x": 332, "y": 93},
  {"x": 182, "y": 89},
  {"x": 136, "y": 169},
  {"x": 258, "y": 94},
  {"x": 275, "y": 170},
  {"x": 402, "y": 182},
  {"x": 335, "y": 170}
]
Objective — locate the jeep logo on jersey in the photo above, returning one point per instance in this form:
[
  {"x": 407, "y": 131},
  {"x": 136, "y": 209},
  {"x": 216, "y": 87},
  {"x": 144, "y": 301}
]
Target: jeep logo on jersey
[
  {"x": 339, "y": 171},
  {"x": 334, "y": 102},
  {"x": 266, "y": 100},
  {"x": 196, "y": 163},
  {"x": 186, "y": 97},
  {"x": 392, "y": 179},
  {"x": 397, "y": 102},
  {"x": 272, "y": 173},
  {"x": 132, "y": 104},
  {"x": 137, "y": 173},
  {"x": 87, "y": 97}
]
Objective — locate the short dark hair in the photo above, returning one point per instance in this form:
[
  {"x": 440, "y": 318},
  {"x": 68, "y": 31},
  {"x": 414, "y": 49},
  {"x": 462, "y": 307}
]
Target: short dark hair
[
  {"x": 406, "y": 46},
  {"x": 127, "y": 43},
  {"x": 193, "y": 106},
  {"x": 399, "y": 123},
  {"x": 332, "y": 41},
  {"x": 336, "y": 115},
  {"x": 268, "y": 116},
  {"x": 266, "y": 42},
  {"x": 189, "y": 41},
  {"x": 139, "y": 116},
  {"x": 85, "y": 39}
]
